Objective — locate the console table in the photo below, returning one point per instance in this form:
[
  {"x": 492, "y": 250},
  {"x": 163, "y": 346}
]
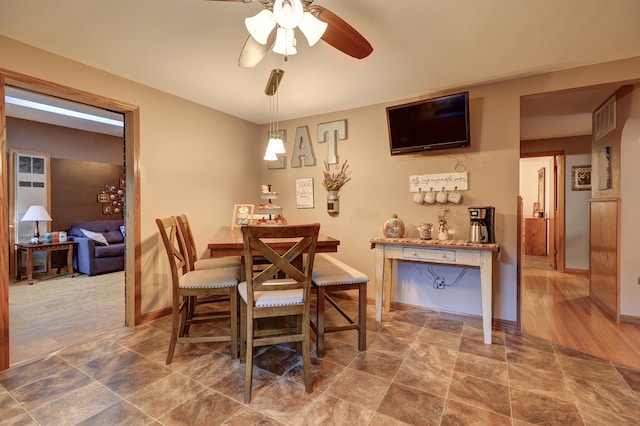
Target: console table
[
  {"x": 448, "y": 252},
  {"x": 29, "y": 249}
]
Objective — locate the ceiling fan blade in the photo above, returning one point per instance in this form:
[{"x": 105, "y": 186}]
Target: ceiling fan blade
[
  {"x": 341, "y": 35},
  {"x": 253, "y": 52}
]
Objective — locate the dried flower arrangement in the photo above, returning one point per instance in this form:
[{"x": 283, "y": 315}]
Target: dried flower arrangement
[
  {"x": 443, "y": 214},
  {"x": 336, "y": 180}
]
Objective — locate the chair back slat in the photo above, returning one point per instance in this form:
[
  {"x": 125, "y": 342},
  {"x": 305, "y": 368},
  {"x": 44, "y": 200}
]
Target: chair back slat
[
  {"x": 175, "y": 247},
  {"x": 189, "y": 242},
  {"x": 291, "y": 264}
]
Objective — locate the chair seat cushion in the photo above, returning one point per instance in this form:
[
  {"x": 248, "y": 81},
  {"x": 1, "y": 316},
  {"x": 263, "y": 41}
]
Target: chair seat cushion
[
  {"x": 210, "y": 278},
  {"x": 217, "y": 262},
  {"x": 328, "y": 270},
  {"x": 268, "y": 299}
]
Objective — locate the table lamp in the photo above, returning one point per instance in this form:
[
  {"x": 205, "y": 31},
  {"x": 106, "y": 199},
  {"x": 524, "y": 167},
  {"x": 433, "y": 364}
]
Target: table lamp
[{"x": 36, "y": 213}]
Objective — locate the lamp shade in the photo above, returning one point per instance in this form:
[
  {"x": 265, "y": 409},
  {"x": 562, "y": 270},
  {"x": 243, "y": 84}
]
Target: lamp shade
[
  {"x": 36, "y": 213},
  {"x": 285, "y": 42},
  {"x": 276, "y": 145},
  {"x": 261, "y": 25},
  {"x": 269, "y": 155},
  {"x": 312, "y": 28},
  {"x": 288, "y": 13}
]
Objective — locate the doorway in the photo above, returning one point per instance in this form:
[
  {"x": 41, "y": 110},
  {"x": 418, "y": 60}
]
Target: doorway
[{"x": 131, "y": 217}]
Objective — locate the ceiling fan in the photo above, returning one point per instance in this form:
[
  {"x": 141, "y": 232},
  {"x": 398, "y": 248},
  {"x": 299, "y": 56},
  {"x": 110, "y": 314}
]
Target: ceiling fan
[{"x": 275, "y": 26}]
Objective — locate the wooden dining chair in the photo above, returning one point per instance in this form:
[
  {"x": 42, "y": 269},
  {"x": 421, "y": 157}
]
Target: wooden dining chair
[
  {"x": 192, "y": 251},
  {"x": 263, "y": 296},
  {"x": 191, "y": 289}
]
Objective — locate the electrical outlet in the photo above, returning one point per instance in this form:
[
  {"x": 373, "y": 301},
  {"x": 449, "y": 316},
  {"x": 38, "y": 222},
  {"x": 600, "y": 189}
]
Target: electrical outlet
[{"x": 440, "y": 283}]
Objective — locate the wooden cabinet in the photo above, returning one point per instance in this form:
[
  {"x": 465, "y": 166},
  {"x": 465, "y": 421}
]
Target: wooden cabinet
[{"x": 535, "y": 237}]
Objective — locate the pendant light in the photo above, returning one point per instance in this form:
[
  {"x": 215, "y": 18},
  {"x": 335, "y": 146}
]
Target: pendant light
[{"x": 276, "y": 144}]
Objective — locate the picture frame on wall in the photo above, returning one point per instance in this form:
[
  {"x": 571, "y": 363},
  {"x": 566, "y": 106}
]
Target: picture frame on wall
[
  {"x": 107, "y": 208},
  {"x": 242, "y": 215},
  {"x": 103, "y": 197},
  {"x": 581, "y": 178}
]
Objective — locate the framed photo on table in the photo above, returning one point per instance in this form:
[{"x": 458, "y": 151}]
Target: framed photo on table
[
  {"x": 242, "y": 215},
  {"x": 581, "y": 178}
]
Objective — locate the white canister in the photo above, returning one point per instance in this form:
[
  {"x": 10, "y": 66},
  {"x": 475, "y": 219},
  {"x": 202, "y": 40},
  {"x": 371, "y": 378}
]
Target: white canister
[{"x": 62, "y": 236}]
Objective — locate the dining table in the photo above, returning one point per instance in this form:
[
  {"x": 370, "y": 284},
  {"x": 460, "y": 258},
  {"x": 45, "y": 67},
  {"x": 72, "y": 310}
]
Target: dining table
[{"x": 229, "y": 242}]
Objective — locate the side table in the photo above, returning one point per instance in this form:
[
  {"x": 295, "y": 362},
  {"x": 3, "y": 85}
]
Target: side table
[{"x": 29, "y": 249}]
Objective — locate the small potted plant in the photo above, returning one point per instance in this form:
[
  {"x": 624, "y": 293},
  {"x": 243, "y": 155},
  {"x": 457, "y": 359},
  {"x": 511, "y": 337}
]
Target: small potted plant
[{"x": 332, "y": 182}]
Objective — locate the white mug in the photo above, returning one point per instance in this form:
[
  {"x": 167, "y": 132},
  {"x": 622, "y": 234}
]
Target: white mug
[
  {"x": 430, "y": 197},
  {"x": 419, "y": 197},
  {"x": 455, "y": 196},
  {"x": 442, "y": 196}
]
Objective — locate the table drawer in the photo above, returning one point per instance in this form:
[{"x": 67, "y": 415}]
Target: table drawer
[{"x": 429, "y": 254}]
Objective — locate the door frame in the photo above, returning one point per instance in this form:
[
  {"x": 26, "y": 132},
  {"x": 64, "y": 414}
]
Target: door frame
[{"x": 133, "y": 315}]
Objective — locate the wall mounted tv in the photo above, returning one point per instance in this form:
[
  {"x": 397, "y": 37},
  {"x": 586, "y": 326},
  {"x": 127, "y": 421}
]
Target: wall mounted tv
[{"x": 429, "y": 125}]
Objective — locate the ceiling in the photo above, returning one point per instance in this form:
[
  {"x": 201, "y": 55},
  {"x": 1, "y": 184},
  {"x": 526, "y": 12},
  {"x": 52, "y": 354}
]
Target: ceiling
[{"x": 190, "y": 48}]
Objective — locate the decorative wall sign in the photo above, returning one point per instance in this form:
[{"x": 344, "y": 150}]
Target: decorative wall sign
[
  {"x": 304, "y": 193},
  {"x": 581, "y": 178},
  {"x": 448, "y": 181},
  {"x": 330, "y": 133},
  {"x": 242, "y": 215}
]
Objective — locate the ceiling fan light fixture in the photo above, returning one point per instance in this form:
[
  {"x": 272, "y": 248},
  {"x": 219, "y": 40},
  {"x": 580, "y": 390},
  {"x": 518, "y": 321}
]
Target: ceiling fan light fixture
[
  {"x": 312, "y": 28},
  {"x": 288, "y": 13},
  {"x": 285, "y": 42},
  {"x": 260, "y": 25}
]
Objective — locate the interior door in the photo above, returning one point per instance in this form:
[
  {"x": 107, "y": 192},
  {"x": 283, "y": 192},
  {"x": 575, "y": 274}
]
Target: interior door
[{"x": 551, "y": 219}]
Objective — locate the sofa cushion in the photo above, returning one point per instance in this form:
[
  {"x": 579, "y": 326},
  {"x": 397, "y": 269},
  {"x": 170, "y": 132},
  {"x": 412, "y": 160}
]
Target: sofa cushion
[
  {"x": 113, "y": 237},
  {"x": 109, "y": 251},
  {"x": 95, "y": 236}
]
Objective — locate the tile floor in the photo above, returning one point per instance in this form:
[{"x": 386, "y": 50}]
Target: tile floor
[{"x": 419, "y": 368}]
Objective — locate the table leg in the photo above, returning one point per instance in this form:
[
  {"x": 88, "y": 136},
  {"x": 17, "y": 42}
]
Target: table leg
[
  {"x": 378, "y": 282},
  {"x": 486, "y": 277},
  {"x": 29, "y": 267},
  {"x": 19, "y": 268},
  {"x": 70, "y": 260}
]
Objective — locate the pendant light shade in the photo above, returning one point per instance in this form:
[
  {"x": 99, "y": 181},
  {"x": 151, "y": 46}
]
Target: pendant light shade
[
  {"x": 276, "y": 145},
  {"x": 312, "y": 28},
  {"x": 269, "y": 155},
  {"x": 285, "y": 42},
  {"x": 261, "y": 25}
]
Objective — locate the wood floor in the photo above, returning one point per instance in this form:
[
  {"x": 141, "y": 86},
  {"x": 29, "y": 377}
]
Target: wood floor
[{"x": 556, "y": 306}]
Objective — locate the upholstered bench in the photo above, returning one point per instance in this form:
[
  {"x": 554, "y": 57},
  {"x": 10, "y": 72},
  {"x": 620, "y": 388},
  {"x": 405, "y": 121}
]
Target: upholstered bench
[{"x": 330, "y": 275}]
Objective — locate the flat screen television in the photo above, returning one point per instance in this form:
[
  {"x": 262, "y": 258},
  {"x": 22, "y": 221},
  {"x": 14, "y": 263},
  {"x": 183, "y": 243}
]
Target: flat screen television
[{"x": 429, "y": 125}]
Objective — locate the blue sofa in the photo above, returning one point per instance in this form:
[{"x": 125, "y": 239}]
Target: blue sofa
[{"x": 102, "y": 253}]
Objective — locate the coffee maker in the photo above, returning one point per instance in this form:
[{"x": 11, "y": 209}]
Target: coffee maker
[{"x": 482, "y": 229}]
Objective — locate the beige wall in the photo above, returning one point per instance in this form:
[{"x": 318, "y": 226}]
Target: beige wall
[
  {"x": 380, "y": 182},
  {"x": 198, "y": 161},
  {"x": 185, "y": 154}
]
